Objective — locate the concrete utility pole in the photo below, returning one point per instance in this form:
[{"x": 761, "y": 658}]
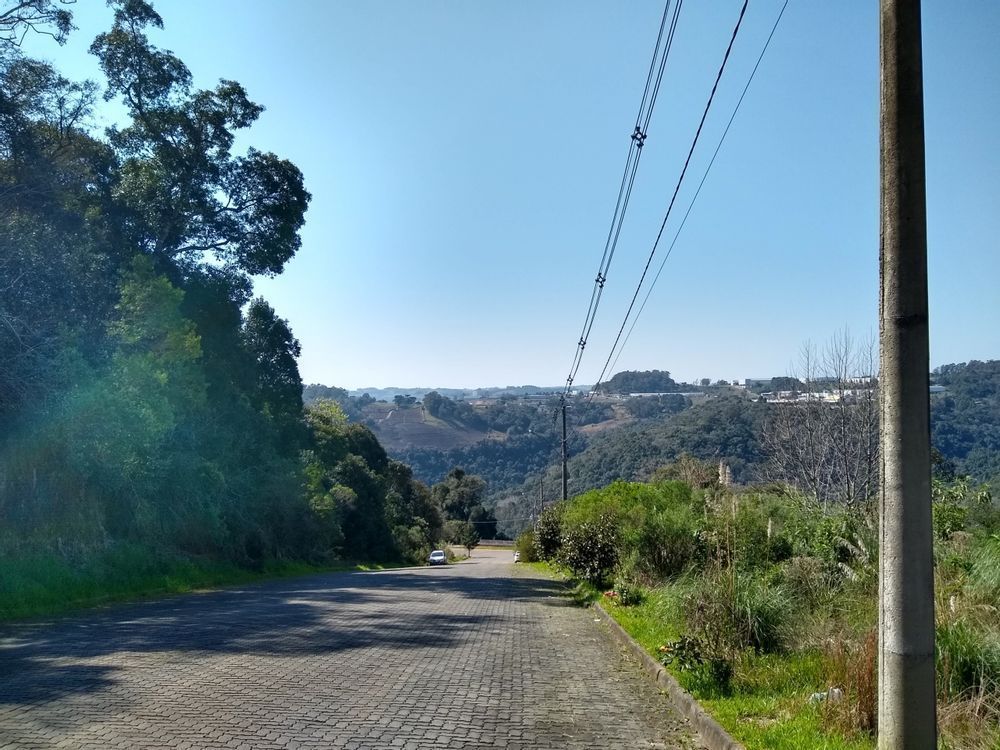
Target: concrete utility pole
[
  {"x": 565, "y": 485},
  {"x": 906, "y": 693}
]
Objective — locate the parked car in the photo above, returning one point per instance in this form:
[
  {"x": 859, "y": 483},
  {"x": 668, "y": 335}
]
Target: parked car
[
  {"x": 517, "y": 557},
  {"x": 438, "y": 557}
]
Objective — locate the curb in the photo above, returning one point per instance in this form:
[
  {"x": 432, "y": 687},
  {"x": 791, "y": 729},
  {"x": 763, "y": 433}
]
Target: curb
[{"x": 712, "y": 733}]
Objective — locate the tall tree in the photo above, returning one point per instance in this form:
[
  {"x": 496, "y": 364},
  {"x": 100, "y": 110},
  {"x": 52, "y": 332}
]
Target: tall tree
[{"x": 184, "y": 196}]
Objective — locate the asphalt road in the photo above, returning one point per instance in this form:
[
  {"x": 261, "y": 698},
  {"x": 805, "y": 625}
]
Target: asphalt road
[{"x": 481, "y": 654}]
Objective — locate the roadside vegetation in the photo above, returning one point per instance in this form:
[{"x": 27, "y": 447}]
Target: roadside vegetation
[
  {"x": 762, "y": 603},
  {"x": 152, "y": 429}
]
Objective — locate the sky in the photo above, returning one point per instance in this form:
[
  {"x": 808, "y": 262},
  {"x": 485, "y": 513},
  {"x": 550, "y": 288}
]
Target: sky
[{"x": 464, "y": 159}]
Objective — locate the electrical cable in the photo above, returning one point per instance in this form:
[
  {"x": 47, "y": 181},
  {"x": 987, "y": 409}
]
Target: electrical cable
[
  {"x": 677, "y": 188},
  {"x": 701, "y": 184},
  {"x": 636, "y": 141}
]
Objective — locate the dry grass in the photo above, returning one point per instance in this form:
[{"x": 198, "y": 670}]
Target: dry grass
[
  {"x": 853, "y": 667},
  {"x": 971, "y": 722}
]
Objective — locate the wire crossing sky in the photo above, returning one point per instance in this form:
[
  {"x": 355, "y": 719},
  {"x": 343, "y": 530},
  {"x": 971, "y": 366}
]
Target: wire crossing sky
[
  {"x": 636, "y": 142},
  {"x": 464, "y": 157}
]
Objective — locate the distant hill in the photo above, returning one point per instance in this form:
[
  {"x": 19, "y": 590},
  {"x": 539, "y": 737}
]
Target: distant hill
[
  {"x": 513, "y": 441},
  {"x": 965, "y": 418},
  {"x": 634, "y": 381}
]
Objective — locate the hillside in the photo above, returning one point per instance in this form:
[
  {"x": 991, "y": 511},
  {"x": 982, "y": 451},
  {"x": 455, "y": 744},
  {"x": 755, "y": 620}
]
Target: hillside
[
  {"x": 399, "y": 428},
  {"x": 513, "y": 442},
  {"x": 648, "y": 381}
]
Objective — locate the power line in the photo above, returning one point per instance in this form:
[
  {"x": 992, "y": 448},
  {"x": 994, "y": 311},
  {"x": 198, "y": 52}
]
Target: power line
[
  {"x": 677, "y": 188},
  {"x": 701, "y": 184},
  {"x": 636, "y": 141}
]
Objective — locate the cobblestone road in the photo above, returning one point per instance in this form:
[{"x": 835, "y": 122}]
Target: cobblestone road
[{"x": 475, "y": 655}]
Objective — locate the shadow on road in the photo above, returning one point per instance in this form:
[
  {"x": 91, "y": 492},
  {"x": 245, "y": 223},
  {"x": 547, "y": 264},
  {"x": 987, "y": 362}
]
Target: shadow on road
[{"x": 319, "y": 614}]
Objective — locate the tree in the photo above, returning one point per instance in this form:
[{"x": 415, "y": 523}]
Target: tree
[
  {"x": 183, "y": 196},
  {"x": 462, "y": 533},
  {"x": 274, "y": 352},
  {"x": 50, "y": 17},
  {"x": 826, "y": 443}
]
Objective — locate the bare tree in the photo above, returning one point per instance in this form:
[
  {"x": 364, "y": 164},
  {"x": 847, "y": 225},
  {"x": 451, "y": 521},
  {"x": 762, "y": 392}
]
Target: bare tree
[{"x": 824, "y": 439}]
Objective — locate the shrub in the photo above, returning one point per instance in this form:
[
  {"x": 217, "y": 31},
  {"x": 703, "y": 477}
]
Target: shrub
[
  {"x": 548, "y": 532},
  {"x": 629, "y": 593},
  {"x": 526, "y": 545},
  {"x": 668, "y": 542},
  {"x": 590, "y": 548},
  {"x": 984, "y": 577},
  {"x": 733, "y": 611},
  {"x": 706, "y": 672}
]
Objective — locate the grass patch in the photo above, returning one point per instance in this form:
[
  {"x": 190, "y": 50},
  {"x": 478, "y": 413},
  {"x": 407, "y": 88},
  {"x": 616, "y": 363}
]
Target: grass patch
[
  {"x": 768, "y": 706},
  {"x": 46, "y": 583}
]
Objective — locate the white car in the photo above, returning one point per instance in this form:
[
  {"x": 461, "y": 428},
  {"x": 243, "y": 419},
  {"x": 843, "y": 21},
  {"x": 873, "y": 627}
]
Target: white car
[{"x": 438, "y": 557}]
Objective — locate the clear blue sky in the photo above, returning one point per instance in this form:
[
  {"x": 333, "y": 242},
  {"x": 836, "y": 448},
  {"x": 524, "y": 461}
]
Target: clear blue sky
[{"x": 464, "y": 158}]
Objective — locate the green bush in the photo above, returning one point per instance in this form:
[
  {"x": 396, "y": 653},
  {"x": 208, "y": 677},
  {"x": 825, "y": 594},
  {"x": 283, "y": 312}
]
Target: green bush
[
  {"x": 628, "y": 593},
  {"x": 590, "y": 548},
  {"x": 548, "y": 532},
  {"x": 733, "y": 611},
  {"x": 984, "y": 576},
  {"x": 526, "y": 545},
  {"x": 668, "y": 542}
]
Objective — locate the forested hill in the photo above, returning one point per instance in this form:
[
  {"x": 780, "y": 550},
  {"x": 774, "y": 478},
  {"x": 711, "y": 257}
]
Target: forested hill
[
  {"x": 649, "y": 381},
  {"x": 965, "y": 418}
]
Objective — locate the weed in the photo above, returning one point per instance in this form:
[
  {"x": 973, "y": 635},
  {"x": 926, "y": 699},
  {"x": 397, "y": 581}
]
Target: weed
[{"x": 852, "y": 667}]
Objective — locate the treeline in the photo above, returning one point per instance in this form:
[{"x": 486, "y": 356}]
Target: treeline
[{"x": 146, "y": 397}]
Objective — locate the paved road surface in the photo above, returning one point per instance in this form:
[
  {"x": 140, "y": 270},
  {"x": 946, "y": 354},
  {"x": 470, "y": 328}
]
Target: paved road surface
[{"x": 475, "y": 655}]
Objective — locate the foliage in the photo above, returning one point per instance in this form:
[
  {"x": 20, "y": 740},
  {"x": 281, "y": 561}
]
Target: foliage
[
  {"x": 526, "y": 546},
  {"x": 649, "y": 381},
  {"x": 147, "y": 400},
  {"x": 733, "y": 611},
  {"x": 628, "y": 593},
  {"x": 965, "y": 419},
  {"x": 968, "y": 658},
  {"x": 462, "y": 533},
  {"x": 852, "y": 665},
  {"x": 590, "y": 548},
  {"x": 460, "y": 497},
  {"x": 548, "y": 532}
]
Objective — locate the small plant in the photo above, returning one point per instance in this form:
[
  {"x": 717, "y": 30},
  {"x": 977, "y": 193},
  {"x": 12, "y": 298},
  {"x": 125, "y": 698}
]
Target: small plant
[
  {"x": 548, "y": 532},
  {"x": 685, "y": 653},
  {"x": 806, "y": 580},
  {"x": 968, "y": 658},
  {"x": 706, "y": 671},
  {"x": 527, "y": 547},
  {"x": 629, "y": 593}
]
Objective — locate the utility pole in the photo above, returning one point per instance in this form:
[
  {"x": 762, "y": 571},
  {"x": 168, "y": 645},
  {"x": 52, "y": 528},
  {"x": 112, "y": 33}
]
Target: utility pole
[
  {"x": 565, "y": 486},
  {"x": 906, "y": 691},
  {"x": 541, "y": 494}
]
